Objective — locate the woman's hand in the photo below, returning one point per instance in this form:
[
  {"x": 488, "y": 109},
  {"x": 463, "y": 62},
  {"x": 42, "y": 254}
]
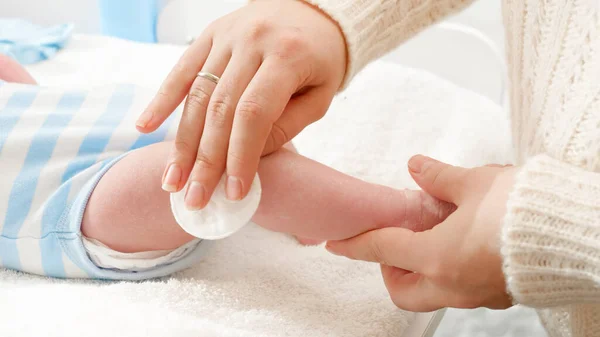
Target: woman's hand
[
  {"x": 456, "y": 263},
  {"x": 279, "y": 63}
]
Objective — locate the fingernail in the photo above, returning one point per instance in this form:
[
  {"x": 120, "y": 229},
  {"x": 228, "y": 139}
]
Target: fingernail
[
  {"x": 234, "y": 188},
  {"x": 171, "y": 178},
  {"x": 144, "y": 119},
  {"x": 195, "y": 195},
  {"x": 419, "y": 163}
]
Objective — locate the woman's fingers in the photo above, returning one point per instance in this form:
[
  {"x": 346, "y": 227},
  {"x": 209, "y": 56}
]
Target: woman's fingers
[
  {"x": 406, "y": 260},
  {"x": 191, "y": 125},
  {"x": 212, "y": 153},
  {"x": 177, "y": 84},
  {"x": 412, "y": 291},
  {"x": 393, "y": 246},
  {"x": 443, "y": 181},
  {"x": 234, "y": 131},
  {"x": 259, "y": 107}
]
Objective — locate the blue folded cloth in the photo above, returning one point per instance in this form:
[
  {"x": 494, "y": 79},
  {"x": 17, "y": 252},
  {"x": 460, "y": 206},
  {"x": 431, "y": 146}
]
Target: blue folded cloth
[
  {"x": 29, "y": 43},
  {"x": 132, "y": 19}
]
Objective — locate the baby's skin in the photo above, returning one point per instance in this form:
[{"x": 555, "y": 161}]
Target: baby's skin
[
  {"x": 11, "y": 71},
  {"x": 129, "y": 211}
]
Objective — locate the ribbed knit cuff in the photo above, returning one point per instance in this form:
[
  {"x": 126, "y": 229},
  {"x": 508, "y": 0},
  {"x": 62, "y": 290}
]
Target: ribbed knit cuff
[
  {"x": 374, "y": 27},
  {"x": 551, "y": 235}
]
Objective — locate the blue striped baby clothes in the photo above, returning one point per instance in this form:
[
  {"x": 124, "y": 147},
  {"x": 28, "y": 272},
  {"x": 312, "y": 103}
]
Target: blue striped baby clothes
[{"x": 55, "y": 145}]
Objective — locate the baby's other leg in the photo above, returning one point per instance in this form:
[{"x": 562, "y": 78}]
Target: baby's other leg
[{"x": 12, "y": 71}]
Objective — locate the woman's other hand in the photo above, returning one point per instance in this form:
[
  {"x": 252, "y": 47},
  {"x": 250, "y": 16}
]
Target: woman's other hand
[
  {"x": 279, "y": 64},
  {"x": 456, "y": 263}
]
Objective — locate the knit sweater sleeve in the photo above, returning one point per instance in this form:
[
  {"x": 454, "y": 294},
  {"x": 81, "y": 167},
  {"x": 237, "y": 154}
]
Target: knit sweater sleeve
[
  {"x": 551, "y": 235},
  {"x": 374, "y": 27}
]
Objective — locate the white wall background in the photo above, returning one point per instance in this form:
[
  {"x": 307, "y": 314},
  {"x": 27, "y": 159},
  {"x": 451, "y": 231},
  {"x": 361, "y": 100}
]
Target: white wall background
[
  {"x": 467, "y": 62},
  {"x": 483, "y": 15},
  {"x": 83, "y": 13},
  {"x": 486, "y": 16}
]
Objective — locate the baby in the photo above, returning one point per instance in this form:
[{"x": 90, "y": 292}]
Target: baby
[{"x": 80, "y": 192}]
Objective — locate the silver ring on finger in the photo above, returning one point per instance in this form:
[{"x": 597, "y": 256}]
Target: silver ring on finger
[{"x": 211, "y": 77}]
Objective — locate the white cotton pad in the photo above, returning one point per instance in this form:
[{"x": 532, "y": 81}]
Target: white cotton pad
[{"x": 221, "y": 217}]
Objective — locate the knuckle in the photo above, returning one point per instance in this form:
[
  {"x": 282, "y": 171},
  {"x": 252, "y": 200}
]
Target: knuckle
[
  {"x": 291, "y": 53},
  {"x": 204, "y": 162},
  {"x": 183, "y": 148},
  {"x": 217, "y": 113},
  {"x": 258, "y": 30},
  {"x": 249, "y": 110},
  {"x": 198, "y": 98},
  {"x": 278, "y": 137},
  {"x": 236, "y": 160},
  {"x": 290, "y": 44},
  {"x": 376, "y": 249},
  {"x": 270, "y": 145}
]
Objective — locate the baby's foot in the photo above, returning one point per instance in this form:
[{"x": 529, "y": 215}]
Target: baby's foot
[{"x": 308, "y": 242}]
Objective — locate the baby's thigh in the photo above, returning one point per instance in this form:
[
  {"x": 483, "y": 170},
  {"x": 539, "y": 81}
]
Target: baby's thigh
[{"x": 128, "y": 211}]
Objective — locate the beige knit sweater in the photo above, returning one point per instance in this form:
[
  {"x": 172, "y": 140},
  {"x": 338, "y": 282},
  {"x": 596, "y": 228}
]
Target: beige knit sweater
[{"x": 551, "y": 234}]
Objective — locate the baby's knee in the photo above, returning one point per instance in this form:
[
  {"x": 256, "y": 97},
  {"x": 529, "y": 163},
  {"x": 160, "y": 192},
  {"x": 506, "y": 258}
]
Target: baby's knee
[{"x": 128, "y": 211}]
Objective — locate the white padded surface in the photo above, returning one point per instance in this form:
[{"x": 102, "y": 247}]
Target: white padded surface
[{"x": 258, "y": 283}]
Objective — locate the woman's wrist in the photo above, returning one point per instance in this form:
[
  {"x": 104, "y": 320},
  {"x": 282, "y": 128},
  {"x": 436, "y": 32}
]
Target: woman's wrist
[{"x": 342, "y": 36}]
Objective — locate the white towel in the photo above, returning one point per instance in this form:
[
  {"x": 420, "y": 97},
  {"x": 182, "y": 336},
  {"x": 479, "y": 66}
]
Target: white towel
[{"x": 259, "y": 283}]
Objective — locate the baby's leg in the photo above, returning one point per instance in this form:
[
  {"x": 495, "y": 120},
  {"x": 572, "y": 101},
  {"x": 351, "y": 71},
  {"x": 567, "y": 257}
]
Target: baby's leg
[
  {"x": 313, "y": 201},
  {"x": 11, "y": 71},
  {"x": 129, "y": 212}
]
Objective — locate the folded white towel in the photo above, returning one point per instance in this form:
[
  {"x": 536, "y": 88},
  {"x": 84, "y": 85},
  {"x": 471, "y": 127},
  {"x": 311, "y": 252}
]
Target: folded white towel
[{"x": 259, "y": 283}]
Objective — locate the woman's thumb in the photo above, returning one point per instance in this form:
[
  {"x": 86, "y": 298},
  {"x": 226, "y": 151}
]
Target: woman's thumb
[{"x": 443, "y": 181}]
